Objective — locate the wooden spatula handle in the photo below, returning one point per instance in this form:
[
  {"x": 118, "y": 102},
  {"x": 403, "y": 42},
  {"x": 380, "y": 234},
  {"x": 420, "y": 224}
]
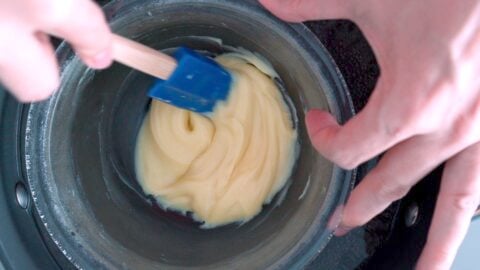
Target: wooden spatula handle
[{"x": 143, "y": 58}]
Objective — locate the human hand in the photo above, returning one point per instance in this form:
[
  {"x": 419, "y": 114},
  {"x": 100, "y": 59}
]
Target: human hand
[
  {"x": 425, "y": 110},
  {"x": 28, "y": 67}
]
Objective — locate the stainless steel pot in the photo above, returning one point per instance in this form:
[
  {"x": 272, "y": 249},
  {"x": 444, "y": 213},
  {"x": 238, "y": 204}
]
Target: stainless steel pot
[{"x": 78, "y": 148}]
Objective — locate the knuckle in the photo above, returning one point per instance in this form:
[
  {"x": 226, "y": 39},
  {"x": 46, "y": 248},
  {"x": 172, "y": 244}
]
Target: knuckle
[
  {"x": 400, "y": 124},
  {"x": 421, "y": 115},
  {"x": 395, "y": 128},
  {"x": 463, "y": 202},
  {"x": 414, "y": 121},
  {"x": 466, "y": 128}
]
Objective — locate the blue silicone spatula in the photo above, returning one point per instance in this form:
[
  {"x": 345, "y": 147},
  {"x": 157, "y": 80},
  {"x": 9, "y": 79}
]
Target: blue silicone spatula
[{"x": 187, "y": 80}]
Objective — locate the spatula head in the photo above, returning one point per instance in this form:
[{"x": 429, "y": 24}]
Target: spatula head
[{"x": 197, "y": 84}]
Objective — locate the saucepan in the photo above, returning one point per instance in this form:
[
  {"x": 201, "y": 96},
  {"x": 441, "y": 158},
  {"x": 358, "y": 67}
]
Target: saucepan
[{"x": 78, "y": 148}]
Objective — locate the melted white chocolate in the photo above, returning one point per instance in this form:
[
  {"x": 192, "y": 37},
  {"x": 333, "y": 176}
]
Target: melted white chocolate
[{"x": 225, "y": 167}]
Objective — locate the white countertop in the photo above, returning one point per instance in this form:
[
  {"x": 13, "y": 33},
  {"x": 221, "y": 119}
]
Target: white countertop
[{"x": 468, "y": 257}]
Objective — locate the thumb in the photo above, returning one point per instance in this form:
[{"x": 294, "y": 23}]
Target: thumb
[
  {"x": 82, "y": 24},
  {"x": 29, "y": 69},
  {"x": 305, "y": 10},
  {"x": 321, "y": 127}
]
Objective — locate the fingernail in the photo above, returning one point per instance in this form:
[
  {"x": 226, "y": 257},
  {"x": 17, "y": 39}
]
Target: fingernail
[
  {"x": 335, "y": 219},
  {"x": 102, "y": 59},
  {"x": 342, "y": 230}
]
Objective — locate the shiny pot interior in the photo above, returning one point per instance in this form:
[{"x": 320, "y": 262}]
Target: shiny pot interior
[{"x": 79, "y": 148}]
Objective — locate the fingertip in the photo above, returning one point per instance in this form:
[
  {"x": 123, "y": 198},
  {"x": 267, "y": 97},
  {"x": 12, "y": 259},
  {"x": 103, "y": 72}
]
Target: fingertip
[
  {"x": 269, "y": 5},
  {"x": 342, "y": 230},
  {"x": 39, "y": 91},
  {"x": 99, "y": 56},
  {"x": 282, "y": 9},
  {"x": 101, "y": 60},
  {"x": 317, "y": 120},
  {"x": 335, "y": 218},
  {"x": 30, "y": 72},
  {"x": 26, "y": 94},
  {"x": 304, "y": 10},
  {"x": 338, "y": 218},
  {"x": 345, "y": 225}
]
